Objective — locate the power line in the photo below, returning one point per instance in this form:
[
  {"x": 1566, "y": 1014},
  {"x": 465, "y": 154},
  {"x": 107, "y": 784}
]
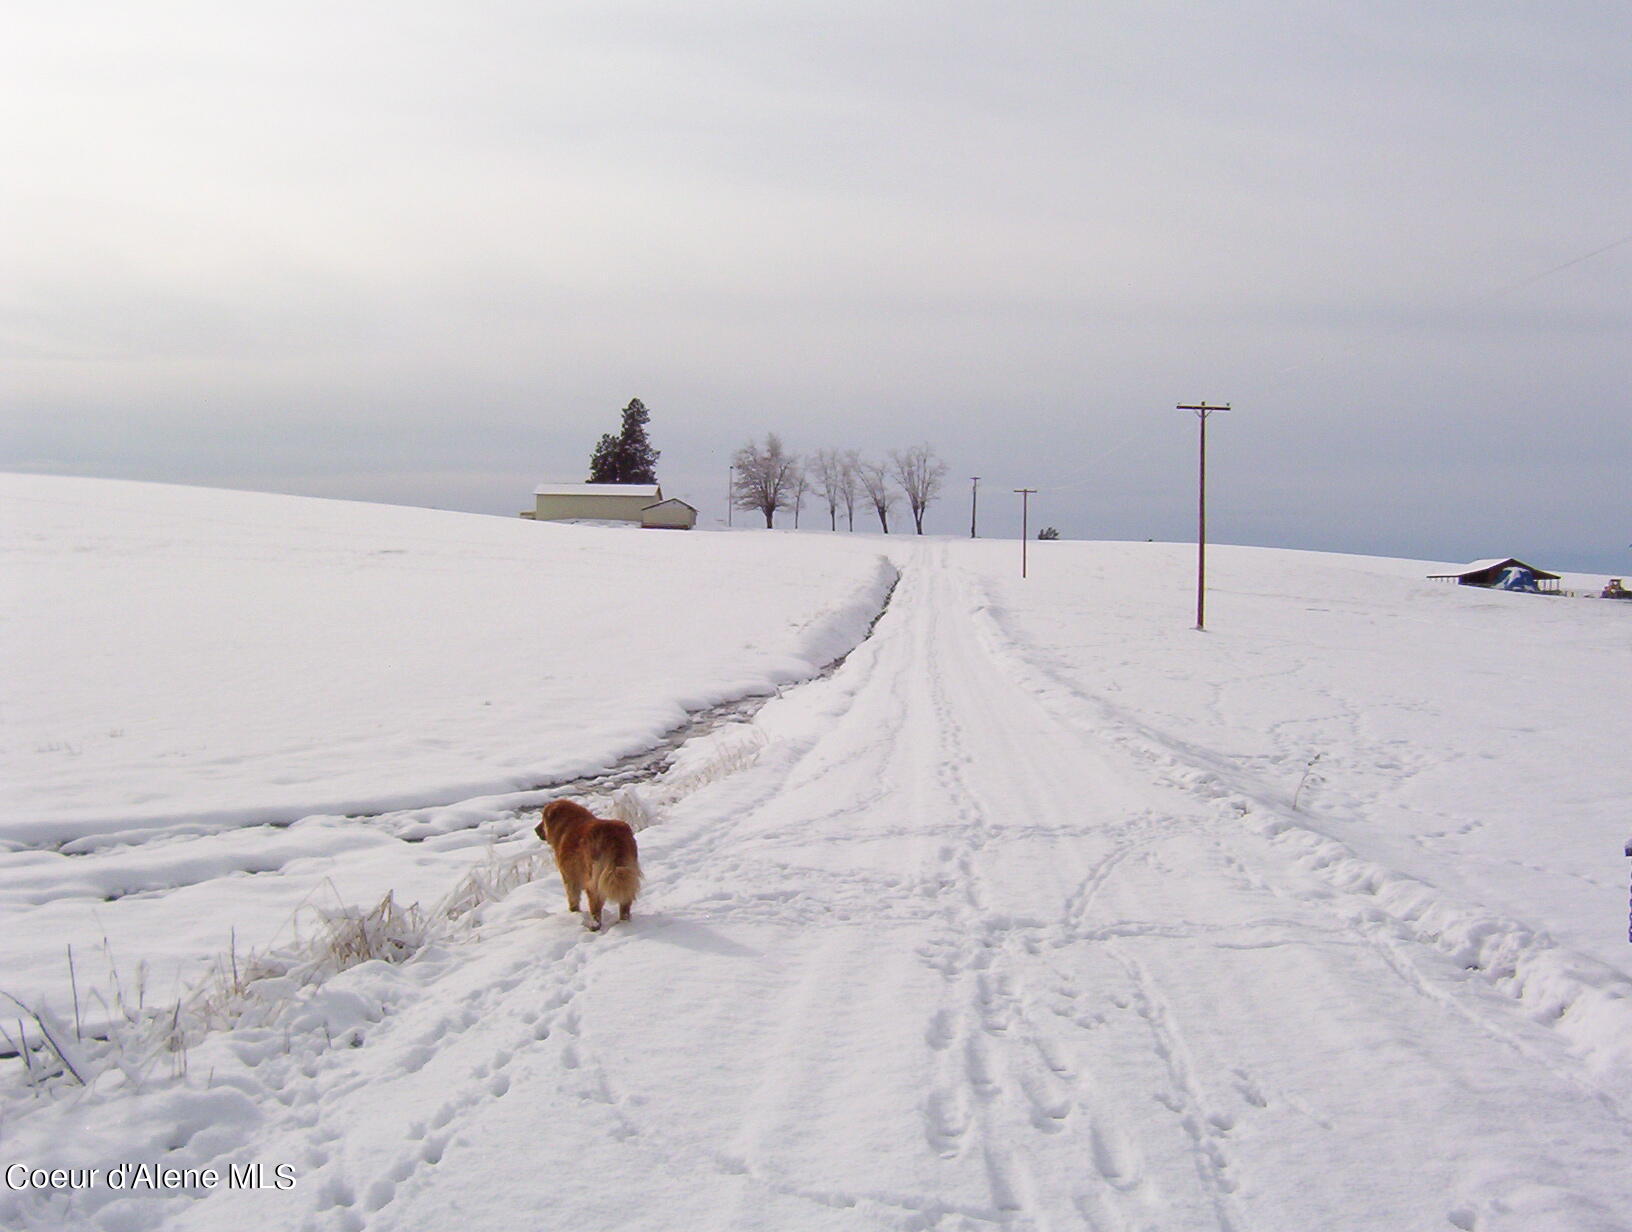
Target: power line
[
  {"x": 1534, "y": 278},
  {"x": 1471, "y": 299}
]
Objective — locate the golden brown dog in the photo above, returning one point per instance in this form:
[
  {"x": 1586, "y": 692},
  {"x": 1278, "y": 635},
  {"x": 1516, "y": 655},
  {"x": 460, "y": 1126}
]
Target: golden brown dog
[{"x": 596, "y": 855}]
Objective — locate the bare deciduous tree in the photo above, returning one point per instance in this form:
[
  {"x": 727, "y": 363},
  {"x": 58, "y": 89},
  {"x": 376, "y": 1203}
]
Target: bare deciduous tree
[
  {"x": 919, "y": 472},
  {"x": 799, "y": 483},
  {"x": 850, "y": 483},
  {"x": 764, "y": 477},
  {"x": 828, "y": 480},
  {"x": 875, "y": 481}
]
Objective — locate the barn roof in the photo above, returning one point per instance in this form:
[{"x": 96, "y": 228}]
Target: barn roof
[
  {"x": 673, "y": 500},
  {"x": 649, "y": 491}
]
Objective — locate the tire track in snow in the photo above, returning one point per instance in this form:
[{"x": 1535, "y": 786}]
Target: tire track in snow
[
  {"x": 1016, "y": 1071},
  {"x": 960, "y": 1115},
  {"x": 1411, "y": 954},
  {"x": 1389, "y": 911},
  {"x": 894, "y": 756},
  {"x": 1207, "y": 1129}
]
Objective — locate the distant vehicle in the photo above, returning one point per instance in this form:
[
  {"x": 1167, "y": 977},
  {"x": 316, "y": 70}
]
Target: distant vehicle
[{"x": 1615, "y": 590}]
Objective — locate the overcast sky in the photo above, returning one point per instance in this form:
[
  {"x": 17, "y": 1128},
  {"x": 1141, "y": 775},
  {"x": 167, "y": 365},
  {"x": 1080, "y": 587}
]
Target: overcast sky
[{"x": 425, "y": 252}]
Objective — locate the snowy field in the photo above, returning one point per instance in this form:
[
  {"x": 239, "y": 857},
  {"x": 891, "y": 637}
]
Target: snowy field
[
  {"x": 1041, "y": 911},
  {"x": 199, "y": 686}
]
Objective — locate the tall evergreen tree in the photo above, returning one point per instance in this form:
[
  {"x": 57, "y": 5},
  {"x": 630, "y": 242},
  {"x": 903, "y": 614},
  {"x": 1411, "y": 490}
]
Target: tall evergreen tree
[
  {"x": 627, "y": 457},
  {"x": 637, "y": 460}
]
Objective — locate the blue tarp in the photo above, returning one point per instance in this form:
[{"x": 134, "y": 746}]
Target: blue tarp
[{"x": 1515, "y": 577}]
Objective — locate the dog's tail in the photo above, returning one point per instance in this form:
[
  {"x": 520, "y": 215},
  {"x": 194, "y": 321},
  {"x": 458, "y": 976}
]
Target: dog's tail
[{"x": 618, "y": 883}]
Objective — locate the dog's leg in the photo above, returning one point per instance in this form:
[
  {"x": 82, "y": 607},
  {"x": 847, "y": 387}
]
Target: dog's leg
[
  {"x": 592, "y": 921},
  {"x": 623, "y": 911},
  {"x": 573, "y": 890}
]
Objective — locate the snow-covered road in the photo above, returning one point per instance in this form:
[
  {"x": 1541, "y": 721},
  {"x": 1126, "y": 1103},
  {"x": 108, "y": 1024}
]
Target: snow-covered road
[{"x": 953, "y": 953}]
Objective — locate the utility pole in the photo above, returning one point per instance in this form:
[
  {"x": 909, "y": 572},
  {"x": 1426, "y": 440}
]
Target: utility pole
[
  {"x": 1025, "y": 495},
  {"x": 1202, "y": 411},
  {"x": 974, "y": 493},
  {"x": 730, "y": 492}
]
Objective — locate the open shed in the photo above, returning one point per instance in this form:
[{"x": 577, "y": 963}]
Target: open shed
[{"x": 1489, "y": 574}]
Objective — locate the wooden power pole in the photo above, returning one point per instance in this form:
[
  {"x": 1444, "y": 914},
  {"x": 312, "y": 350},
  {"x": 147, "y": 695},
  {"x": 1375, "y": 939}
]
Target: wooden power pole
[
  {"x": 1025, "y": 495},
  {"x": 974, "y": 494},
  {"x": 1202, "y": 411}
]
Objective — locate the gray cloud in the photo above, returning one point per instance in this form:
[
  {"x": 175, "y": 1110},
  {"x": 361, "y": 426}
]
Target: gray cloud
[{"x": 424, "y": 247}]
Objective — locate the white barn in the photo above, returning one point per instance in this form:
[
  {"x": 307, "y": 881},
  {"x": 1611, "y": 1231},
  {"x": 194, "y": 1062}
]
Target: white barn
[
  {"x": 641, "y": 503},
  {"x": 604, "y": 502}
]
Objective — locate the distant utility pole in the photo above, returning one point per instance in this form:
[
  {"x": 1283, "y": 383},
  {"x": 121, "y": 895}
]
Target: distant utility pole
[
  {"x": 974, "y": 493},
  {"x": 730, "y": 492},
  {"x": 1202, "y": 411},
  {"x": 1025, "y": 495}
]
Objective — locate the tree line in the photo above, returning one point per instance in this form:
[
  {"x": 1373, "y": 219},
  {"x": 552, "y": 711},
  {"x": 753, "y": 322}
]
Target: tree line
[{"x": 767, "y": 477}]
